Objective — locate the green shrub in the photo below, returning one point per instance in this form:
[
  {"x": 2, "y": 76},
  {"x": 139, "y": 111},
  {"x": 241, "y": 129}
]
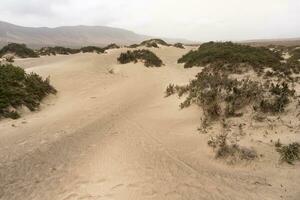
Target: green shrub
[
  {"x": 133, "y": 46},
  {"x": 289, "y": 153},
  {"x": 149, "y": 58},
  {"x": 19, "y": 50},
  {"x": 111, "y": 46},
  {"x": 156, "y": 41},
  {"x": 152, "y": 44},
  {"x": 179, "y": 45},
  {"x": 295, "y": 55},
  {"x": 18, "y": 88},
  {"x": 209, "y": 90},
  {"x": 230, "y": 53},
  {"x": 92, "y": 49},
  {"x": 47, "y": 51}
]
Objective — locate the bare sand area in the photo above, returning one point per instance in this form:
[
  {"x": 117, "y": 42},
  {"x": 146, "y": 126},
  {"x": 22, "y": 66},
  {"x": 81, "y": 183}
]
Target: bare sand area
[{"x": 110, "y": 133}]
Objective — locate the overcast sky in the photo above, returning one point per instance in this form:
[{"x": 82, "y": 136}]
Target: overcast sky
[{"x": 200, "y": 20}]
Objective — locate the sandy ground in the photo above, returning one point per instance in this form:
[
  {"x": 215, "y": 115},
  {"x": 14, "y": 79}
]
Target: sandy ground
[{"x": 115, "y": 136}]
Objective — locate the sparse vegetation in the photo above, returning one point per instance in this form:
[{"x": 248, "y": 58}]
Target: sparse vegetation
[
  {"x": 19, "y": 50},
  {"x": 9, "y": 58},
  {"x": 170, "y": 90},
  {"x": 221, "y": 96},
  {"x": 289, "y": 153},
  {"x": 231, "y": 152},
  {"x": 111, "y": 46},
  {"x": 148, "y": 57},
  {"x": 179, "y": 45},
  {"x": 18, "y": 88},
  {"x": 152, "y": 44},
  {"x": 47, "y": 51},
  {"x": 133, "y": 46},
  {"x": 92, "y": 49}
]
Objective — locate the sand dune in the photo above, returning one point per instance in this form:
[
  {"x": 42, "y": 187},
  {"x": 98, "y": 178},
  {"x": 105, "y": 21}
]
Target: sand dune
[{"x": 115, "y": 136}]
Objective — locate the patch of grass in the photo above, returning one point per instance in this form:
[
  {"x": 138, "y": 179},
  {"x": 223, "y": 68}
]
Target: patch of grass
[
  {"x": 179, "y": 45},
  {"x": 148, "y": 57},
  {"x": 19, "y": 50},
  {"x": 18, "y": 88},
  {"x": 92, "y": 49},
  {"x": 230, "y": 53},
  {"x": 289, "y": 153}
]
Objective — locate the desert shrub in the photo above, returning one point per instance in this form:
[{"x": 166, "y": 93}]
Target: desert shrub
[
  {"x": 133, "y": 46},
  {"x": 152, "y": 44},
  {"x": 295, "y": 55},
  {"x": 92, "y": 49},
  {"x": 179, "y": 45},
  {"x": 18, "y": 88},
  {"x": 170, "y": 90},
  {"x": 210, "y": 90},
  {"x": 47, "y": 51},
  {"x": 19, "y": 50},
  {"x": 278, "y": 100},
  {"x": 289, "y": 153},
  {"x": 220, "y": 96},
  {"x": 230, "y": 53},
  {"x": 156, "y": 41},
  {"x": 148, "y": 57},
  {"x": 111, "y": 46},
  {"x": 233, "y": 151},
  {"x": 9, "y": 58}
]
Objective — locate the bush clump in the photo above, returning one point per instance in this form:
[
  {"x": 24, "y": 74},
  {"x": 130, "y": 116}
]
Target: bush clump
[
  {"x": 111, "y": 46},
  {"x": 289, "y": 153},
  {"x": 92, "y": 49},
  {"x": 133, "y": 46},
  {"x": 19, "y": 50},
  {"x": 47, "y": 51},
  {"x": 179, "y": 45},
  {"x": 154, "y": 43},
  {"x": 230, "y": 53},
  {"x": 279, "y": 98},
  {"x": 148, "y": 57},
  {"x": 18, "y": 88},
  {"x": 221, "y": 96}
]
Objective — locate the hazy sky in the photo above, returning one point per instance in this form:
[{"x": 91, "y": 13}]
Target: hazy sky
[{"x": 200, "y": 20}]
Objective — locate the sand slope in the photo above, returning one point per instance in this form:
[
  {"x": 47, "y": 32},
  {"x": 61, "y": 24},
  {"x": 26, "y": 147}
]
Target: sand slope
[{"x": 115, "y": 136}]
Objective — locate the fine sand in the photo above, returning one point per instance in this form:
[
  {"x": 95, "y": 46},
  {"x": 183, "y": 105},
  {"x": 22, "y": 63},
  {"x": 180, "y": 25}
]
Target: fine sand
[{"x": 110, "y": 133}]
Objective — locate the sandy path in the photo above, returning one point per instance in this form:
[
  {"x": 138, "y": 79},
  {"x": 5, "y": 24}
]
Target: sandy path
[{"x": 115, "y": 136}]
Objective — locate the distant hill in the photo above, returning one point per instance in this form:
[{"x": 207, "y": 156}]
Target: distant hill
[
  {"x": 266, "y": 42},
  {"x": 70, "y": 36}
]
